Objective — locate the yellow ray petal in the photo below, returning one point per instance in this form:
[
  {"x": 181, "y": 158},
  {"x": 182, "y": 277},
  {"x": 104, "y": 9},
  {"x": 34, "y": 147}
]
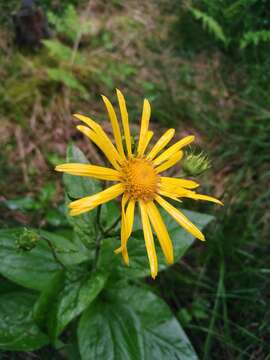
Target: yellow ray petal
[
  {"x": 180, "y": 218},
  {"x": 161, "y": 231},
  {"x": 126, "y": 229},
  {"x": 130, "y": 216},
  {"x": 98, "y": 129},
  {"x": 195, "y": 196},
  {"x": 149, "y": 136},
  {"x": 161, "y": 143},
  {"x": 125, "y": 122},
  {"x": 115, "y": 126},
  {"x": 90, "y": 202},
  {"x": 175, "y": 183},
  {"x": 175, "y": 191},
  {"x": 88, "y": 121},
  {"x": 146, "y": 113},
  {"x": 169, "y": 163},
  {"x": 149, "y": 241},
  {"x": 97, "y": 172},
  {"x": 169, "y": 195},
  {"x": 173, "y": 149},
  {"x": 104, "y": 147}
]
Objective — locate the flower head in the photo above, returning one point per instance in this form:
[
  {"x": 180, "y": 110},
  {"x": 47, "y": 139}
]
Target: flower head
[{"x": 138, "y": 178}]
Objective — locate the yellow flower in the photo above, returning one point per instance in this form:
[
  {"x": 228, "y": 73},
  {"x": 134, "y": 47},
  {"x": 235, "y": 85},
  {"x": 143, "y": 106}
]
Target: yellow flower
[{"x": 138, "y": 178}]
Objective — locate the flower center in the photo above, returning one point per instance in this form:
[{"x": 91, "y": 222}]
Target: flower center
[{"x": 140, "y": 178}]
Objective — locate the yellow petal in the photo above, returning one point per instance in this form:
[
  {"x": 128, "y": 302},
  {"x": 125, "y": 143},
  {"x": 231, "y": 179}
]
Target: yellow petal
[
  {"x": 101, "y": 134},
  {"x": 180, "y": 218},
  {"x": 124, "y": 231},
  {"x": 161, "y": 231},
  {"x": 175, "y": 183},
  {"x": 125, "y": 122},
  {"x": 130, "y": 217},
  {"x": 195, "y": 196},
  {"x": 144, "y": 126},
  {"x": 161, "y": 143},
  {"x": 168, "y": 194},
  {"x": 115, "y": 126},
  {"x": 175, "y": 191},
  {"x": 149, "y": 240},
  {"x": 173, "y": 149},
  {"x": 112, "y": 156},
  {"x": 169, "y": 163},
  {"x": 149, "y": 136},
  {"x": 90, "y": 202},
  {"x": 97, "y": 172},
  {"x": 88, "y": 121},
  {"x": 126, "y": 228}
]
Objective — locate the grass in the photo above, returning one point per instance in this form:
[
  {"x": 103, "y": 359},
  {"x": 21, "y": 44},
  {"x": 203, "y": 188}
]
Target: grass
[{"x": 220, "y": 291}]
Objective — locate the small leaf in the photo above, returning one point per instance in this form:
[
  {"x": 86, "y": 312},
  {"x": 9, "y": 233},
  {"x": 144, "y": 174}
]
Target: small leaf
[
  {"x": 18, "y": 331},
  {"x": 132, "y": 324}
]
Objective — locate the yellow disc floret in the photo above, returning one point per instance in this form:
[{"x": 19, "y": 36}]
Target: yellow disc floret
[{"x": 140, "y": 179}]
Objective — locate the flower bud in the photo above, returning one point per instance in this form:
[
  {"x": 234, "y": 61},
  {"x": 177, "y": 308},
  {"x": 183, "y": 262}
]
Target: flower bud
[
  {"x": 27, "y": 240},
  {"x": 195, "y": 164}
]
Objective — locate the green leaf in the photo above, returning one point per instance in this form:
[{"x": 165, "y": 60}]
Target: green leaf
[
  {"x": 67, "y": 78},
  {"x": 77, "y": 187},
  {"x": 80, "y": 289},
  {"x": 139, "y": 265},
  {"x": 31, "y": 269},
  {"x": 34, "y": 269},
  {"x": 18, "y": 331},
  {"x": 210, "y": 24},
  {"x": 255, "y": 38},
  {"x": 47, "y": 298},
  {"x": 132, "y": 324}
]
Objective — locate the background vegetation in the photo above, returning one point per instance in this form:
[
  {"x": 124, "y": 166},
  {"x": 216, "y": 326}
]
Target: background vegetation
[{"x": 205, "y": 67}]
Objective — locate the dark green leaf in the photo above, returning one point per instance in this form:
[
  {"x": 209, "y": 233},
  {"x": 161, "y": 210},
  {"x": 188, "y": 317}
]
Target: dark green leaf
[
  {"x": 79, "y": 290},
  {"x": 139, "y": 265},
  {"x": 132, "y": 324},
  {"x": 32, "y": 269},
  {"x": 47, "y": 298},
  {"x": 18, "y": 331}
]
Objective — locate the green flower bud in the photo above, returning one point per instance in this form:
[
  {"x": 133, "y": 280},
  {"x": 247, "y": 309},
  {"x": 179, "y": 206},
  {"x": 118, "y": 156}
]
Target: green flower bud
[
  {"x": 195, "y": 164},
  {"x": 27, "y": 240}
]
